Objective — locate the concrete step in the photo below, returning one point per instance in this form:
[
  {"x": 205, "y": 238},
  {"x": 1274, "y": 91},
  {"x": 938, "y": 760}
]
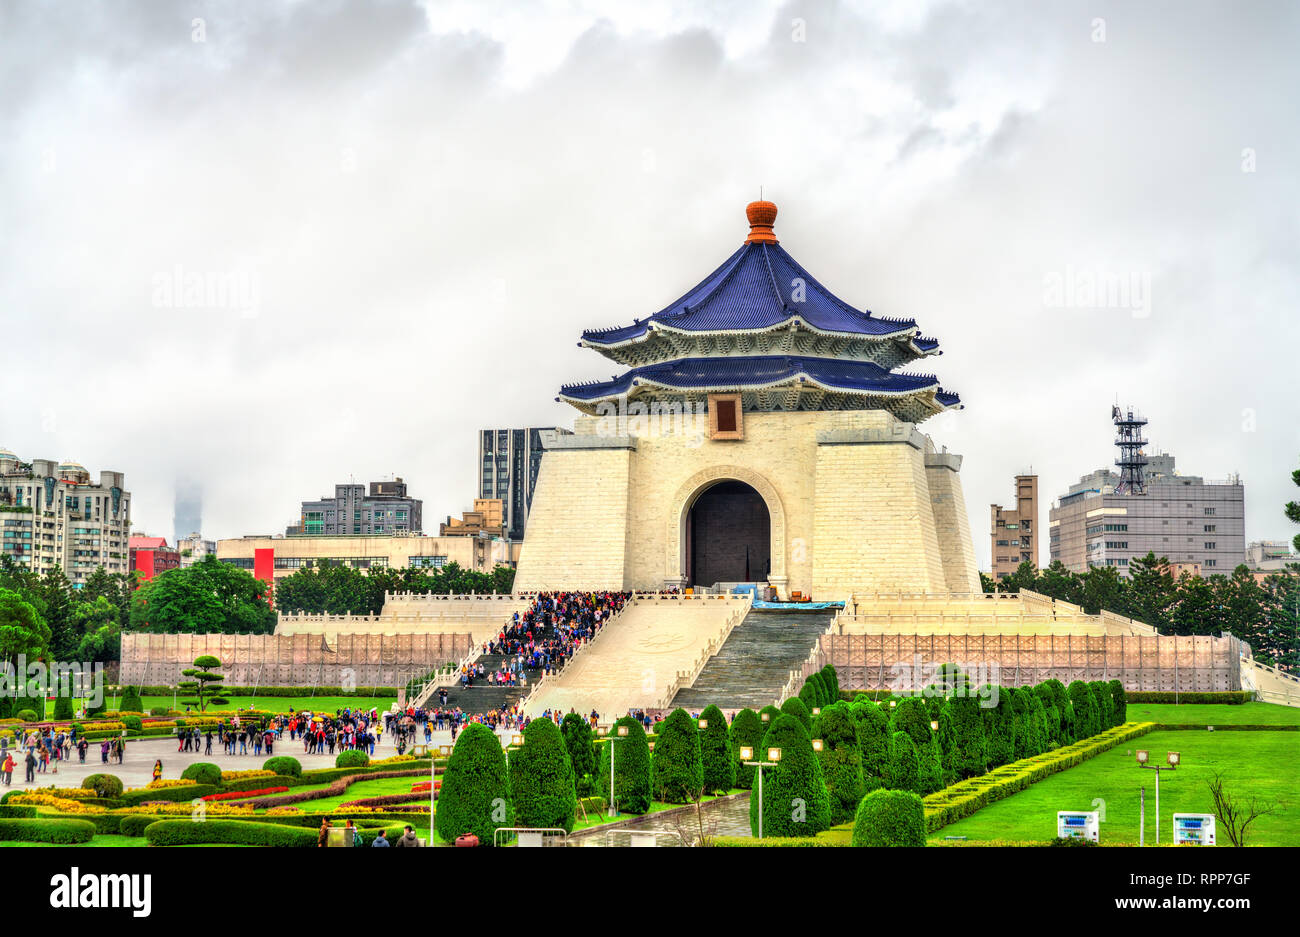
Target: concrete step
[{"x": 755, "y": 661}]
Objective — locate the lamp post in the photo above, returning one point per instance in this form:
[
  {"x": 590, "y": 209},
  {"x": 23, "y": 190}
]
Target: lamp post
[
  {"x": 773, "y": 756},
  {"x": 1144, "y": 761}
]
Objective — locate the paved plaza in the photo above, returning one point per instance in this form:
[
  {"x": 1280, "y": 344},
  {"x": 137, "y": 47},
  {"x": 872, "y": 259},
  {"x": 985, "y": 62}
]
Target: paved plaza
[{"x": 136, "y": 769}]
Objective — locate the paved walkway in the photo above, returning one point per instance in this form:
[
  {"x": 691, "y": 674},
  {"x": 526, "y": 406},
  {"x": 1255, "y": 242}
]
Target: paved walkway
[{"x": 136, "y": 769}]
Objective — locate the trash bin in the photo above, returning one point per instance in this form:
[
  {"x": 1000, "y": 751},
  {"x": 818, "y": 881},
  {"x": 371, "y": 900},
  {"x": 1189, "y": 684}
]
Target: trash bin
[{"x": 468, "y": 839}]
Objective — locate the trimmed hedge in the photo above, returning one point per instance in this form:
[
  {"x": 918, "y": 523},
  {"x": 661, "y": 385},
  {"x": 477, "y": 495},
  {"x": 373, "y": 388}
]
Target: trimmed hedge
[
  {"x": 677, "y": 766},
  {"x": 632, "y": 771},
  {"x": 475, "y": 789},
  {"x": 890, "y": 818},
  {"x": 841, "y": 760},
  {"x": 1233, "y": 698},
  {"x": 283, "y": 764},
  {"x": 352, "y": 758},
  {"x": 746, "y": 729},
  {"x": 796, "y": 707},
  {"x": 912, "y": 716},
  {"x": 134, "y": 824},
  {"x": 363, "y": 693},
  {"x": 545, "y": 794},
  {"x": 579, "y": 741},
  {"x": 203, "y": 772},
  {"x": 904, "y": 766},
  {"x": 736, "y": 842},
  {"x": 715, "y": 752},
  {"x": 47, "y": 830},
  {"x": 187, "y": 792},
  {"x": 242, "y": 832},
  {"x": 795, "y": 801},
  {"x": 963, "y": 799},
  {"x": 872, "y": 726}
]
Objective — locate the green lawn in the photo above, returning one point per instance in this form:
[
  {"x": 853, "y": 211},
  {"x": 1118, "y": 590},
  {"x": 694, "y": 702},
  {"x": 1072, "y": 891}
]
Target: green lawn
[
  {"x": 1252, "y": 763},
  {"x": 279, "y": 704},
  {"x": 101, "y": 839},
  {"x": 1214, "y": 714}
]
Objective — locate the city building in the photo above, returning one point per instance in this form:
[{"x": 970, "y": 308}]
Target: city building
[
  {"x": 151, "y": 556},
  {"x": 762, "y": 433},
  {"x": 277, "y": 557},
  {"x": 1270, "y": 556},
  {"x": 486, "y": 519},
  {"x": 52, "y": 514},
  {"x": 509, "y": 460},
  {"x": 194, "y": 548},
  {"x": 387, "y": 509},
  {"x": 1014, "y": 531},
  {"x": 1108, "y": 519}
]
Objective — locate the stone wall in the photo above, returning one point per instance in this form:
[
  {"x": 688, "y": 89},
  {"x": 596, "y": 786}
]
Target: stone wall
[{"x": 291, "y": 660}]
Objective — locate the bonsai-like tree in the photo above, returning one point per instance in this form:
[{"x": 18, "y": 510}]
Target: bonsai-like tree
[{"x": 203, "y": 683}]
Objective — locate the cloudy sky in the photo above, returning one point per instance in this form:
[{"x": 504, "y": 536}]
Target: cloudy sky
[{"x": 404, "y": 213}]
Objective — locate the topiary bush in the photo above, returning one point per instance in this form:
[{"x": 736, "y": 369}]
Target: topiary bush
[
  {"x": 795, "y": 801},
  {"x": 632, "y": 772},
  {"x": 134, "y": 723},
  {"x": 27, "y": 715},
  {"x": 999, "y": 726},
  {"x": 912, "y": 716},
  {"x": 580, "y": 744},
  {"x": 283, "y": 765},
  {"x": 104, "y": 785},
  {"x": 768, "y": 715},
  {"x": 240, "y": 832},
  {"x": 133, "y": 824},
  {"x": 832, "y": 683},
  {"x": 158, "y": 710},
  {"x": 715, "y": 752},
  {"x": 202, "y": 772},
  {"x": 746, "y": 729},
  {"x": 1085, "y": 724},
  {"x": 841, "y": 761},
  {"x": 131, "y": 702},
  {"x": 890, "y": 818},
  {"x": 904, "y": 771},
  {"x": 1118, "y": 702},
  {"x": 62, "y": 707},
  {"x": 542, "y": 776},
  {"x": 967, "y": 754},
  {"x": 46, "y": 830},
  {"x": 809, "y": 694},
  {"x": 872, "y": 727},
  {"x": 677, "y": 766},
  {"x": 794, "y": 706},
  {"x": 352, "y": 758},
  {"x": 1101, "y": 696},
  {"x": 475, "y": 796}
]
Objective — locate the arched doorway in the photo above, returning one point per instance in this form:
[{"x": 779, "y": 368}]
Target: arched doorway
[{"x": 728, "y": 535}]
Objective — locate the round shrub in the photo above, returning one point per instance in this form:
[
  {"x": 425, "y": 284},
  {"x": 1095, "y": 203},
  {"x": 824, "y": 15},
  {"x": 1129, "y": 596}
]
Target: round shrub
[
  {"x": 632, "y": 772},
  {"x": 677, "y": 767},
  {"x": 796, "y": 707},
  {"x": 283, "y": 765},
  {"x": 872, "y": 726},
  {"x": 580, "y": 744},
  {"x": 542, "y": 776},
  {"x": 715, "y": 752},
  {"x": 475, "y": 794},
  {"x": 772, "y": 714},
  {"x": 795, "y": 802},
  {"x": 135, "y": 723},
  {"x": 746, "y": 729},
  {"x": 841, "y": 761},
  {"x": 352, "y": 758},
  {"x": 104, "y": 785},
  {"x": 890, "y": 818},
  {"x": 158, "y": 710},
  {"x": 133, "y": 824},
  {"x": 202, "y": 772},
  {"x": 27, "y": 715}
]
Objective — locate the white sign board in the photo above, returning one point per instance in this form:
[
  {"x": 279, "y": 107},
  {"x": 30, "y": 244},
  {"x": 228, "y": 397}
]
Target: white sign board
[{"x": 1078, "y": 824}]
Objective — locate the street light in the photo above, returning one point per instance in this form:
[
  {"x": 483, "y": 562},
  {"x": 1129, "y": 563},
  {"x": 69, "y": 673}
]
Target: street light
[
  {"x": 817, "y": 711},
  {"x": 817, "y": 745},
  {"x": 1144, "y": 761},
  {"x": 746, "y": 757},
  {"x": 704, "y": 723},
  {"x": 934, "y": 725}
]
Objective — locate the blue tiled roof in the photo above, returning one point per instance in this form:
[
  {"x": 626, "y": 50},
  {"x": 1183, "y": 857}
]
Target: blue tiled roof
[
  {"x": 756, "y": 371},
  {"x": 754, "y": 290}
]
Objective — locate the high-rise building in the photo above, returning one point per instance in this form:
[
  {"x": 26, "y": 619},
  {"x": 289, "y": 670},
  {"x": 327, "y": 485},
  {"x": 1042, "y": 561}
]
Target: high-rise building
[
  {"x": 508, "y": 464},
  {"x": 187, "y": 513},
  {"x": 386, "y": 510},
  {"x": 1108, "y": 519},
  {"x": 1014, "y": 530},
  {"x": 52, "y": 514}
]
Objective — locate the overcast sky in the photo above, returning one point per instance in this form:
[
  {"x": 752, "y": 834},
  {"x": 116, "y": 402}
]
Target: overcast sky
[{"x": 424, "y": 204}]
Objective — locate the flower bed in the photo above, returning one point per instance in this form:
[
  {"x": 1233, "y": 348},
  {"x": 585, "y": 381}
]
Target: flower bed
[
  {"x": 227, "y": 776},
  {"x": 244, "y": 795},
  {"x": 61, "y": 804},
  {"x": 170, "y": 782},
  {"x": 382, "y": 800},
  {"x": 335, "y": 789}
]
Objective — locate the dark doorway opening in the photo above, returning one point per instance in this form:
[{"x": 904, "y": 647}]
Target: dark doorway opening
[{"x": 728, "y": 536}]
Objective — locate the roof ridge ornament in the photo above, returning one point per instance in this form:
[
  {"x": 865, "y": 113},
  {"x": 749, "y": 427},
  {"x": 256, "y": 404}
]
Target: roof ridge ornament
[{"x": 761, "y": 216}]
